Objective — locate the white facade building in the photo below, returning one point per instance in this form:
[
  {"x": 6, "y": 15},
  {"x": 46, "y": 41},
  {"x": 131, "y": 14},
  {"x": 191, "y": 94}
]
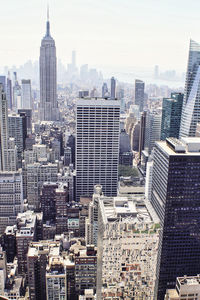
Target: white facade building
[
  {"x": 97, "y": 145},
  {"x": 26, "y": 94}
]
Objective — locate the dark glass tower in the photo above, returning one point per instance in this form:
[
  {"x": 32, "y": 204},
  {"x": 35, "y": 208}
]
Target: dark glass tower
[
  {"x": 176, "y": 200},
  {"x": 171, "y": 116}
]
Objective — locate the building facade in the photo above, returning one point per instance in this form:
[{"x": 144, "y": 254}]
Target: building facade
[
  {"x": 190, "y": 114},
  {"x": 97, "y": 146},
  {"x": 48, "y": 78},
  {"x": 176, "y": 199},
  {"x": 171, "y": 116}
]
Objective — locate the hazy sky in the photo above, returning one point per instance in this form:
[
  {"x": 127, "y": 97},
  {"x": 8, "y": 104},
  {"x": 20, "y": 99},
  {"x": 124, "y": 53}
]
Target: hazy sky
[{"x": 120, "y": 33}]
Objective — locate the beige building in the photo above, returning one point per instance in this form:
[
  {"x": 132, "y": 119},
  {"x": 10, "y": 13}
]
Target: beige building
[
  {"x": 187, "y": 288},
  {"x": 127, "y": 249}
]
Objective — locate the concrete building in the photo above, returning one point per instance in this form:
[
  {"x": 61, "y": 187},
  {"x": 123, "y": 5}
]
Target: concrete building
[
  {"x": 26, "y": 94},
  {"x": 97, "y": 146},
  {"x": 113, "y": 88},
  {"x": 28, "y": 114},
  {"x": 3, "y": 131},
  {"x": 175, "y": 197},
  {"x": 17, "y": 130},
  {"x": 85, "y": 269},
  {"x": 127, "y": 249},
  {"x": 37, "y": 260},
  {"x": 139, "y": 94},
  {"x": 91, "y": 229},
  {"x": 48, "y": 78},
  {"x": 11, "y": 198},
  {"x": 37, "y": 174},
  {"x": 187, "y": 287},
  {"x": 29, "y": 228},
  {"x": 56, "y": 279},
  {"x": 9, "y": 90}
]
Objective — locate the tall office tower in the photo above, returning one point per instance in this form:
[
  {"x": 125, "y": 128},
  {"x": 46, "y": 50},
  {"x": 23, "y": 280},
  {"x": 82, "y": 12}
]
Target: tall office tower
[
  {"x": 190, "y": 112},
  {"x": 152, "y": 130},
  {"x": 3, "y": 82},
  {"x": 26, "y": 94},
  {"x": 61, "y": 199},
  {"x": 16, "y": 94},
  {"x": 17, "y": 130},
  {"x": 11, "y": 198},
  {"x": 142, "y": 132},
  {"x": 12, "y": 155},
  {"x": 92, "y": 221},
  {"x": 3, "y": 130},
  {"x": 97, "y": 146},
  {"x": 176, "y": 199},
  {"x": 9, "y": 91},
  {"x": 113, "y": 88},
  {"x": 47, "y": 200},
  {"x": 48, "y": 78},
  {"x": 139, "y": 94},
  {"x": 104, "y": 90},
  {"x": 28, "y": 114},
  {"x": 128, "y": 235},
  {"x": 171, "y": 116}
]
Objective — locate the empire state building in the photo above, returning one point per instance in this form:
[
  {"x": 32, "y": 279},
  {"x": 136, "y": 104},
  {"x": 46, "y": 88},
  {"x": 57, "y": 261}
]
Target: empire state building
[{"x": 48, "y": 77}]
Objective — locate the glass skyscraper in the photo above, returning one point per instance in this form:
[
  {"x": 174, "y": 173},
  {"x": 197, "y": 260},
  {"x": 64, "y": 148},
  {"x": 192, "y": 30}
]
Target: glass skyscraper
[
  {"x": 175, "y": 196},
  {"x": 171, "y": 116},
  {"x": 191, "y": 105}
]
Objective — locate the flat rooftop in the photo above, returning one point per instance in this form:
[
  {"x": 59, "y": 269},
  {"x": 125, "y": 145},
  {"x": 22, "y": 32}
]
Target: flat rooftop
[
  {"x": 182, "y": 147},
  {"x": 87, "y": 101},
  {"x": 126, "y": 209}
]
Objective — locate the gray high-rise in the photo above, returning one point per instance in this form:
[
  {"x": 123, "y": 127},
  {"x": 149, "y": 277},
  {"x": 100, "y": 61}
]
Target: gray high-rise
[
  {"x": 113, "y": 88},
  {"x": 139, "y": 94},
  {"x": 48, "y": 78},
  {"x": 191, "y": 104}
]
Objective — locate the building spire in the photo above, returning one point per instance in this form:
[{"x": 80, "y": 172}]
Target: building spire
[{"x": 48, "y": 23}]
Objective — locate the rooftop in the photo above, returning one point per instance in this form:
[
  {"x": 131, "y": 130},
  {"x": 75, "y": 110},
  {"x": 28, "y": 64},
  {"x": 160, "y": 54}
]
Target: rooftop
[
  {"x": 184, "y": 146},
  {"x": 126, "y": 209}
]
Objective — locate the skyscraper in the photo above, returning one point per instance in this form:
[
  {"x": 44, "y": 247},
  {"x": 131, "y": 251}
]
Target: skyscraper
[
  {"x": 113, "y": 88},
  {"x": 3, "y": 130},
  {"x": 171, "y": 116},
  {"x": 191, "y": 105},
  {"x": 139, "y": 93},
  {"x": 48, "y": 81},
  {"x": 97, "y": 146},
  {"x": 9, "y": 91},
  {"x": 104, "y": 90},
  {"x": 152, "y": 129},
  {"x": 175, "y": 197},
  {"x": 26, "y": 94}
]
